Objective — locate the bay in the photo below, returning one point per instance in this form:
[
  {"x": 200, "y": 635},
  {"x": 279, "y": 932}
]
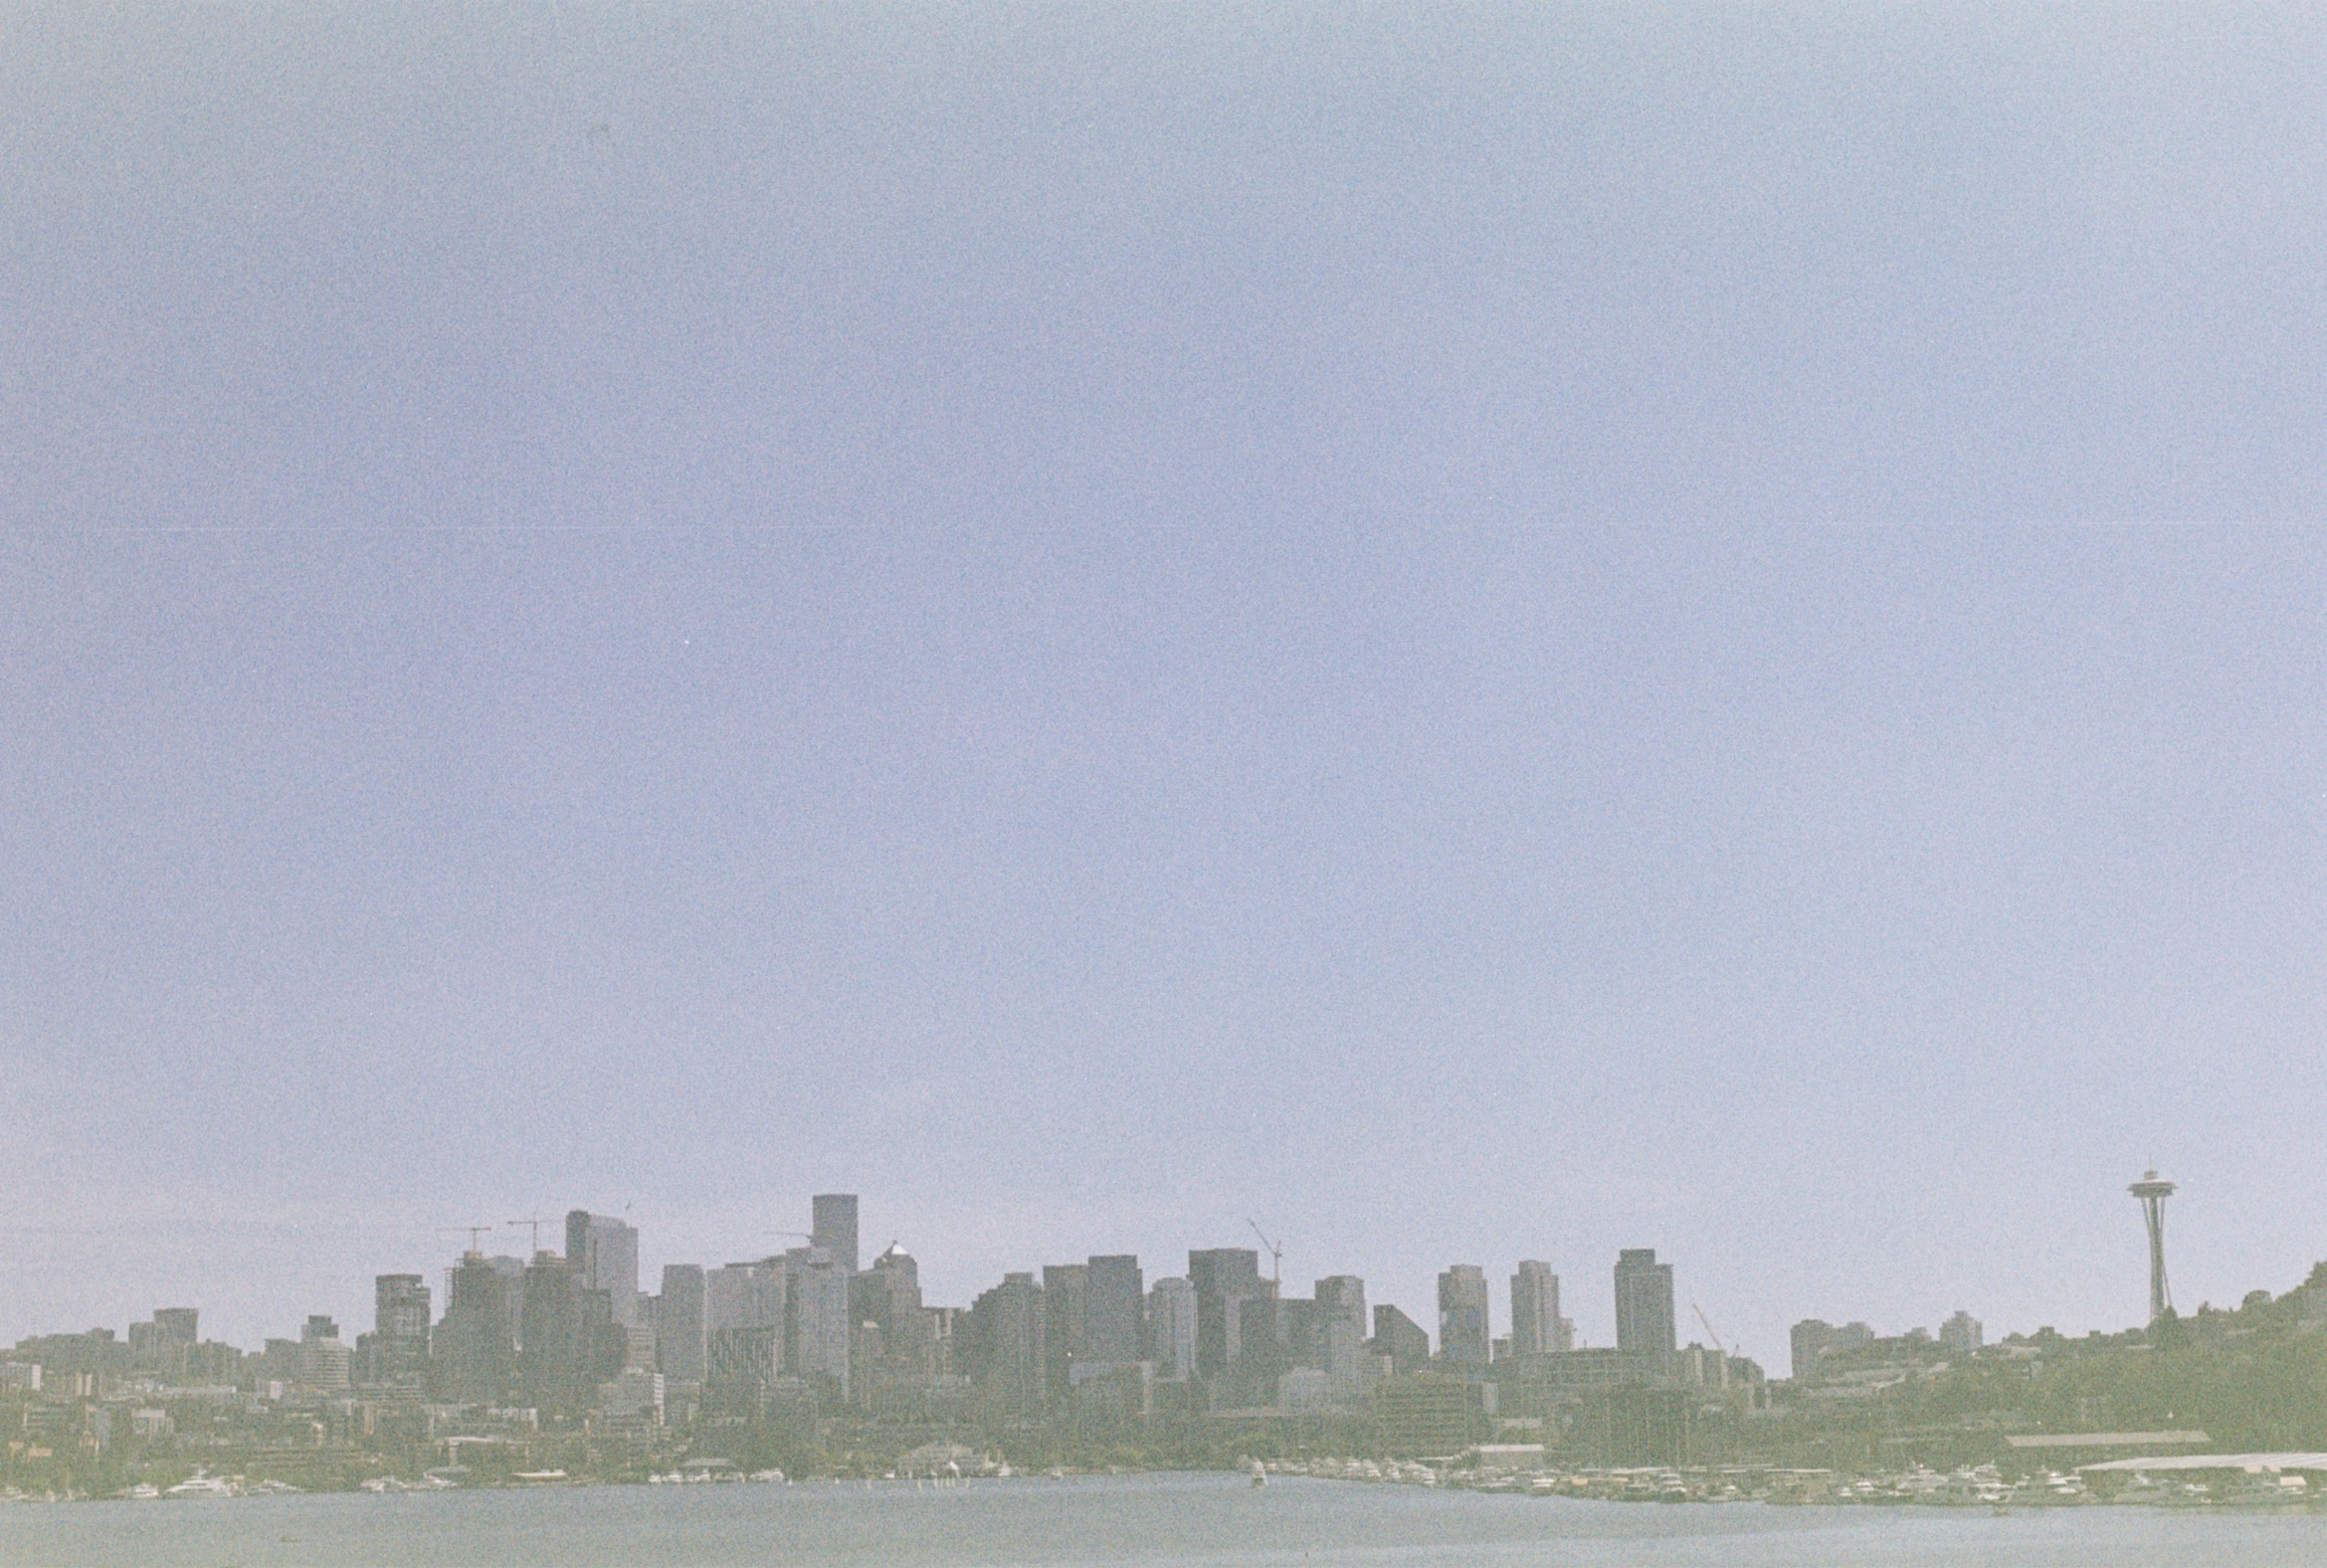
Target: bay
[{"x": 1130, "y": 1521}]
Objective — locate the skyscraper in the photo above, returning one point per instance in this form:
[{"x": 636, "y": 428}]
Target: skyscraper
[
  {"x": 815, "y": 1318},
  {"x": 324, "y": 1358},
  {"x": 833, "y": 1219},
  {"x": 1644, "y": 1303},
  {"x": 1462, "y": 1319},
  {"x": 1405, "y": 1342},
  {"x": 1341, "y": 1336},
  {"x": 400, "y": 1318},
  {"x": 476, "y": 1345},
  {"x": 1112, "y": 1314},
  {"x": 1171, "y": 1329},
  {"x": 1223, "y": 1277},
  {"x": 680, "y": 1323},
  {"x": 1065, "y": 1300},
  {"x": 1007, "y": 1327},
  {"x": 1535, "y": 1320},
  {"x": 604, "y": 1252}
]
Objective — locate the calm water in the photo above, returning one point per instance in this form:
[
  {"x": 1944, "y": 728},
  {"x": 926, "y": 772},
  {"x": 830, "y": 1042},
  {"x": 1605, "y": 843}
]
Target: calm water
[{"x": 1146, "y": 1519}]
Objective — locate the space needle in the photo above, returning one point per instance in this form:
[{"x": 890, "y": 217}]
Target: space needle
[{"x": 2153, "y": 1194}]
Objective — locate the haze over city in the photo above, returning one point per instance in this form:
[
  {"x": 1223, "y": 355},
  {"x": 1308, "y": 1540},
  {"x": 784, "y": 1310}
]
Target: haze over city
[{"x": 1090, "y": 638}]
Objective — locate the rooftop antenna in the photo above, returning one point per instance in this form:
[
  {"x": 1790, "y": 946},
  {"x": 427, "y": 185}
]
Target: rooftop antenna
[
  {"x": 537, "y": 1225},
  {"x": 1276, "y": 1254}
]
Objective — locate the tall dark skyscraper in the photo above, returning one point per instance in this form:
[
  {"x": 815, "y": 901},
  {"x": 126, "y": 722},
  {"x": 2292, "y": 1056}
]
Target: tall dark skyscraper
[
  {"x": 1113, "y": 1309},
  {"x": 476, "y": 1350},
  {"x": 834, "y": 1222},
  {"x": 1644, "y": 1303},
  {"x": 680, "y": 1323},
  {"x": 400, "y": 1306},
  {"x": 1008, "y": 1333},
  {"x": 1065, "y": 1323},
  {"x": 1464, "y": 1333},
  {"x": 1225, "y": 1277}
]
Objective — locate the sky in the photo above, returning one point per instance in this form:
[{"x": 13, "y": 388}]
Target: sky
[{"x": 1468, "y": 633}]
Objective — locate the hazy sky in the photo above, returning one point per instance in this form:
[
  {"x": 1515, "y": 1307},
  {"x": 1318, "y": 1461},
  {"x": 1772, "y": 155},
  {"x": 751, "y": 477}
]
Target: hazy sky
[{"x": 1093, "y": 622}]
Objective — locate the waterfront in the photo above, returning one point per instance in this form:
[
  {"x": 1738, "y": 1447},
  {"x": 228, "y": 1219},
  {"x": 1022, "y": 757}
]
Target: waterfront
[{"x": 1208, "y": 1518}]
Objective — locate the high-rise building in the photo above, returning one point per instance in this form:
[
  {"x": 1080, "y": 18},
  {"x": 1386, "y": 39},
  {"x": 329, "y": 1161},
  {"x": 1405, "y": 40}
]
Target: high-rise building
[
  {"x": 1066, "y": 1302},
  {"x": 834, "y": 1222},
  {"x": 400, "y": 1316},
  {"x": 557, "y": 1316},
  {"x": 170, "y": 1342},
  {"x": 1171, "y": 1329},
  {"x": 323, "y": 1357},
  {"x": 604, "y": 1252},
  {"x": 1961, "y": 1333},
  {"x": 815, "y": 1319},
  {"x": 1535, "y": 1320},
  {"x": 1644, "y": 1303},
  {"x": 680, "y": 1323},
  {"x": 1008, "y": 1326},
  {"x": 1225, "y": 1277},
  {"x": 476, "y": 1346},
  {"x": 1405, "y": 1342},
  {"x": 1112, "y": 1314},
  {"x": 1341, "y": 1336},
  {"x": 1463, "y": 1320},
  {"x": 898, "y": 1342}
]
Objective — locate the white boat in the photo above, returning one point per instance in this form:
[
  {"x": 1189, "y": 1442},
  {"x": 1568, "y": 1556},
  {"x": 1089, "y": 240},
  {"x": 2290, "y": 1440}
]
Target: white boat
[{"x": 199, "y": 1485}]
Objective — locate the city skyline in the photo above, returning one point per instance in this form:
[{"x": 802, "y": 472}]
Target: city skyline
[{"x": 1644, "y": 1313}]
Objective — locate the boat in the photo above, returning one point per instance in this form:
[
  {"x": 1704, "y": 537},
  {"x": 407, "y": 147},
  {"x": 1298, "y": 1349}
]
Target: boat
[{"x": 200, "y": 1485}]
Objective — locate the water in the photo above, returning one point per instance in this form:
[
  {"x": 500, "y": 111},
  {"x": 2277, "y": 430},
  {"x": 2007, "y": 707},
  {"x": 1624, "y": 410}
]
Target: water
[{"x": 1121, "y": 1521}]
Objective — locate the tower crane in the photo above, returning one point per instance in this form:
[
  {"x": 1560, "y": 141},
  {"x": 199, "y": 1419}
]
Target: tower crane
[
  {"x": 1276, "y": 1254},
  {"x": 537, "y": 1225},
  {"x": 1710, "y": 1331},
  {"x": 474, "y": 1233}
]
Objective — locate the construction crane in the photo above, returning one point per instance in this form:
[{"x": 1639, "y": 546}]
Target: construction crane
[
  {"x": 1275, "y": 1253},
  {"x": 474, "y": 1231},
  {"x": 537, "y": 1225},
  {"x": 1710, "y": 1331}
]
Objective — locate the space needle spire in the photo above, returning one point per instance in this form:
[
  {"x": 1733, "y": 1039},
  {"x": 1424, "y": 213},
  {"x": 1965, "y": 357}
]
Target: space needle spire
[{"x": 2153, "y": 1194}]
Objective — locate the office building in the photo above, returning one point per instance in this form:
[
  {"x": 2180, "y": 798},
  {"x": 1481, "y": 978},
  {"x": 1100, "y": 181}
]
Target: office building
[
  {"x": 1008, "y": 1329},
  {"x": 680, "y": 1323},
  {"x": 1404, "y": 1341},
  {"x": 604, "y": 1252},
  {"x": 475, "y": 1349},
  {"x": 886, "y": 1311},
  {"x": 1171, "y": 1329},
  {"x": 1644, "y": 1303},
  {"x": 834, "y": 1222},
  {"x": 1225, "y": 1278},
  {"x": 815, "y": 1318},
  {"x": 1462, "y": 1322},
  {"x": 1341, "y": 1336},
  {"x": 1114, "y": 1295},
  {"x": 400, "y": 1321},
  {"x": 1066, "y": 1301},
  {"x": 1961, "y": 1333},
  {"x": 324, "y": 1359},
  {"x": 1536, "y": 1326}
]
